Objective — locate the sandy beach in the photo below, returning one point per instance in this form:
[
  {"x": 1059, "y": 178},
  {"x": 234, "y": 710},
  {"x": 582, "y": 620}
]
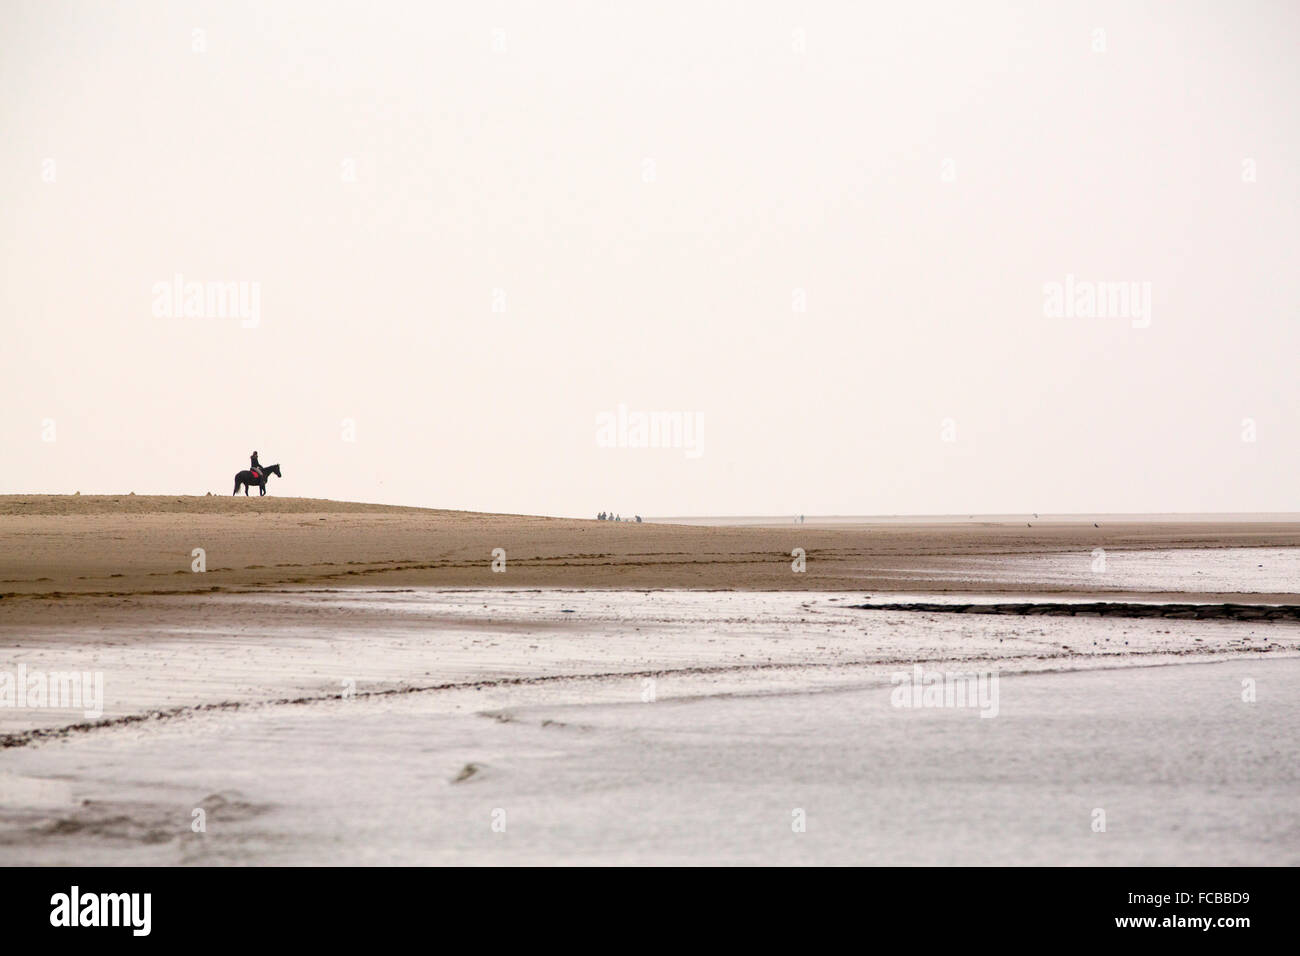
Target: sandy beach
[
  {"x": 52, "y": 546},
  {"x": 354, "y": 683}
]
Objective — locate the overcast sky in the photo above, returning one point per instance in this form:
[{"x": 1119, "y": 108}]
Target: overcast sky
[{"x": 824, "y": 234}]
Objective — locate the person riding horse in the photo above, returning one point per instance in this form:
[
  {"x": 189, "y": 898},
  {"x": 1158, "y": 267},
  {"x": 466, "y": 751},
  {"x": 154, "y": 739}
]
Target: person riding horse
[{"x": 256, "y": 477}]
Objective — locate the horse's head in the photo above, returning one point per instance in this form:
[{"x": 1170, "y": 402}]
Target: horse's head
[{"x": 274, "y": 470}]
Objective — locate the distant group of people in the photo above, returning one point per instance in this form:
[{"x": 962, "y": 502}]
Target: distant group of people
[{"x": 610, "y": 516}]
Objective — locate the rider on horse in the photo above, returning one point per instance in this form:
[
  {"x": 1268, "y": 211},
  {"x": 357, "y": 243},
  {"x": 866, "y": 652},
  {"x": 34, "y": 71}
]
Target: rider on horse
[{"x": 255, "y": 466}]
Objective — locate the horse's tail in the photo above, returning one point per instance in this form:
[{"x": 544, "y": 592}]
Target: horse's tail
[{"x": 236, "y": 491}]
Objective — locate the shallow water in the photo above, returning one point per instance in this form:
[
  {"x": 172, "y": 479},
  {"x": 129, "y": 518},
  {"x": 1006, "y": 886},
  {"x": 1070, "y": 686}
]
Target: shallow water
[
  {"x": 1184, "y": 771},
  {"x": 1206, "y": 570},
  {"x": 661, "y": 727}
]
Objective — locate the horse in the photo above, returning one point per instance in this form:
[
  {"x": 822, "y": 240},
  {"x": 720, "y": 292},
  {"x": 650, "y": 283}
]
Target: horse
[{"x": 246, "y": 479}]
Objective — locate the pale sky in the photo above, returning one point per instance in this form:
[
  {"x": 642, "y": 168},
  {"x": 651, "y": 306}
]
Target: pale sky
[{"x": 651, "y": 191}]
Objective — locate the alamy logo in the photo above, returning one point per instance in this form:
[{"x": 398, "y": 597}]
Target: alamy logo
[
  {"x": 923, "y": 688},
  {"x": 179, "y": 299},
  {"x": 1082, "y": 299},
  {"x": 60, "y": 690},
  {"x": 102, "y": 909},
  {"x": 624, "y": 429}
]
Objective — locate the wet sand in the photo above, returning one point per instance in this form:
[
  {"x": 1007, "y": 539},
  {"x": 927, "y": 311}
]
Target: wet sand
[
  {"x": 652, "y": 727},
  {"x": 165, "y": 656}
]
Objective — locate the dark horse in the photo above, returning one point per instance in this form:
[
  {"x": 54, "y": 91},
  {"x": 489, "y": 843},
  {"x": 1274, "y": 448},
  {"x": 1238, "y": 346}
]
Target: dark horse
[{"x": 246, "y": 479}]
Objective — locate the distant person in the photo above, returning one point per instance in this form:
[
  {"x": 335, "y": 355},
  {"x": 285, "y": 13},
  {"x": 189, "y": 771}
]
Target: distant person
[
  {"x": 638, "y": 519},
  {"x": 601, "y": 516},
  {"x": 255, "y": 466}
]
